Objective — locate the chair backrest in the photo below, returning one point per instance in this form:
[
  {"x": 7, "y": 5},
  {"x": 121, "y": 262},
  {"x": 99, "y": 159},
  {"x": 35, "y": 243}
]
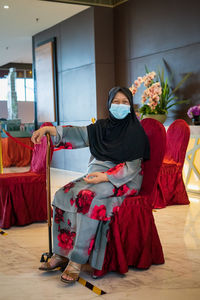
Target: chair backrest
[
  {"x": 178, "y": 135},
  {"x": 157, "y": 138}
]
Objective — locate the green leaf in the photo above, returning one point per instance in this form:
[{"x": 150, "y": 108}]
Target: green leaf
[
  {"x": 181, "y": 82},
  {"x": 146, "y": 69},
  {"x": 178, "y": 102},
  {"x": 171, "y": 99},
  {"x": 161, "y": 76},
  {"x": 145, "y": 109}
]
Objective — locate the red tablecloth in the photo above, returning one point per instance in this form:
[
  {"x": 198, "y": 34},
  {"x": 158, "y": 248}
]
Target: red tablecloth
[{"x": 14, "y": 154}]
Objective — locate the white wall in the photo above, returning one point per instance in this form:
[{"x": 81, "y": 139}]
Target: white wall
[{"x": 25, "y": 111}]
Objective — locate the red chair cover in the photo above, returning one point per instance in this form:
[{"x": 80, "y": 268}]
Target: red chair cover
[
  {"x": 23, "y": 195},
  {"x": 170, "y": 189},
  {"x": 133, "y": 239}
]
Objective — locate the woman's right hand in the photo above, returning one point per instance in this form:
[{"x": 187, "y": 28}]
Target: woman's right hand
[{"x": 37, "y": 135}]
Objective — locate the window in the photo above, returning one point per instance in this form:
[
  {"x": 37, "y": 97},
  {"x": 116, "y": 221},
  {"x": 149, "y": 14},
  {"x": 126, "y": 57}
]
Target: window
[
  {"x": 20, "y": 89},
  {"x": 29, "y": 88},
  {"x": 24, "y": 86},
  {"x": 3, "y": 89}
]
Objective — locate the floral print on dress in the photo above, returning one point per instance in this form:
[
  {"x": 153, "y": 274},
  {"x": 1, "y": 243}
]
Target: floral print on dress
[
  {"x": 142, "y": 169},
  {"x": 67, "y": 145},
  {"x": 84, "y": 200},
  {"x": 99, "y": 213},
  {"x": 72, "y": 201},
  {"x": 64, "y": 146},
  {"x": 68, "y": 187},
  {"x": 121, "y": 191},
  {"x": 59, "y": 215},
  {"x": 115, "y": 169},
  {"x": 133, "y": 192},
  {"x": 66, "y": 239},
  {"x": 91, "y": 246},
  {"x": 115, "y": 209}
]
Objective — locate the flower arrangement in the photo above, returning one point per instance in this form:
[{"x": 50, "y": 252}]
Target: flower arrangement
[
  {"x": 158, "y": 96},
  {"x": 194, "y": 111}
]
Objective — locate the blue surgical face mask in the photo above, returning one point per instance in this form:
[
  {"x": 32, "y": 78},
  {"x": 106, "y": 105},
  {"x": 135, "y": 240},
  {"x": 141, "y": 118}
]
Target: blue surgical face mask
[{"x": 119, "y": 111}]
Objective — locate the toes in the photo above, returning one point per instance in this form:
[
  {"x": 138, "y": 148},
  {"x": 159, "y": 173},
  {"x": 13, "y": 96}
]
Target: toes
[{"x": 67, "y": 277}]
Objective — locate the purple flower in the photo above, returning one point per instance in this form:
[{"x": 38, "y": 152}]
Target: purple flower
[{"x": 193, "y": 111}]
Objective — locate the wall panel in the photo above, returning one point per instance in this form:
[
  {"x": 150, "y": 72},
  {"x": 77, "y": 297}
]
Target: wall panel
[{"x": 150, "y": 31}]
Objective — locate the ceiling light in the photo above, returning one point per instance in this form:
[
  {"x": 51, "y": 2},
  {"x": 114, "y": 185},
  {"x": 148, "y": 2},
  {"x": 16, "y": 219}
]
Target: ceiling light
[{"x": 6, "y": 6}]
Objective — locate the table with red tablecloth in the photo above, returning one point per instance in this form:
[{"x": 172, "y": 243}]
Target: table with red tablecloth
[{"x": 14, "y": 154}]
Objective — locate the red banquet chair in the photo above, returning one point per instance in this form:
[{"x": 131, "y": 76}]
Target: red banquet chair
[
  {"x": 133, "y": 239},
  {"x": 23, "y": 198},
  {"x": 170, "y": 188}
]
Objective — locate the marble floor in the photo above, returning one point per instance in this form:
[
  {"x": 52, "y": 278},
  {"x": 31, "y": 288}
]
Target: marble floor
[{"x": 177, "y": 279}]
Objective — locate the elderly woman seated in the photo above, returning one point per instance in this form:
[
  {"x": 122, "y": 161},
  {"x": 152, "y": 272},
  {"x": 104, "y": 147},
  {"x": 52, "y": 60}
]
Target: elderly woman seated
[{"x": 117, "y": 145}]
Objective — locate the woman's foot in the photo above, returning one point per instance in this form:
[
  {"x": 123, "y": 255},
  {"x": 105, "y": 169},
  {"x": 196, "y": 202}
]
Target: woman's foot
[
  {"x": 71, "y": 273},
  {"x": 54, "y": 262}
]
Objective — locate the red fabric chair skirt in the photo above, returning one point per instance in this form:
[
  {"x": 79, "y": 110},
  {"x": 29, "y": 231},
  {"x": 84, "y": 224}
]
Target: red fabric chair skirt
[
  {"x": 17, "y": 203},
  {"x": 170, "y": 187},
  {"x": 133, "y": 239}
]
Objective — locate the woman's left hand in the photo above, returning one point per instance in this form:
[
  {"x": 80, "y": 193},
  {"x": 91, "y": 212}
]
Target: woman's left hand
[{"x": 96, "y": 177}]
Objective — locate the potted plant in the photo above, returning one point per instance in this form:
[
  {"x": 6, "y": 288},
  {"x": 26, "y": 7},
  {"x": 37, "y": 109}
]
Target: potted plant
[
  {"x": 194, "y": 114},
  {"x": 158, "y": 97}
]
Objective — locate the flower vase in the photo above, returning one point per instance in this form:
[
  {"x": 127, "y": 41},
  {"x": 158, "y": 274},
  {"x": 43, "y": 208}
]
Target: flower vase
[
  {"x": 159, "y": 117},
  {"x": 196, "y": 120}
]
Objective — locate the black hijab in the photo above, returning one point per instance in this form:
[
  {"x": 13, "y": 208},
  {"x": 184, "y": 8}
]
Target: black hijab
[{"x": 118, "y": 140}]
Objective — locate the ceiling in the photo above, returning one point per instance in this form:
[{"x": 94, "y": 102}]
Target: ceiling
[
  {"x": 107, "y": 3},
  {"x": 22, "y": 20}
]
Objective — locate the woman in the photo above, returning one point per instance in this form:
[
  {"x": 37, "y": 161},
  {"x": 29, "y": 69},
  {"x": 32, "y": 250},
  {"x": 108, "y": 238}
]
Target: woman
[{"x": 83, "y": 208}]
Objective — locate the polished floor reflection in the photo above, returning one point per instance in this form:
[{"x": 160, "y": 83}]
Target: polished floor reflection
[{"x": 178, "y": 278}]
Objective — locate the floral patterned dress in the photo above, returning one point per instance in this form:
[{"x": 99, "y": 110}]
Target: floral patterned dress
[{"x": 82, "y": 211}]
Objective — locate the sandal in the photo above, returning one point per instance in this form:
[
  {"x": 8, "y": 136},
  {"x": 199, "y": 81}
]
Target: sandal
[
  {"x": 61, "y": 262},
  {"x": 73, "y": 272}
]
